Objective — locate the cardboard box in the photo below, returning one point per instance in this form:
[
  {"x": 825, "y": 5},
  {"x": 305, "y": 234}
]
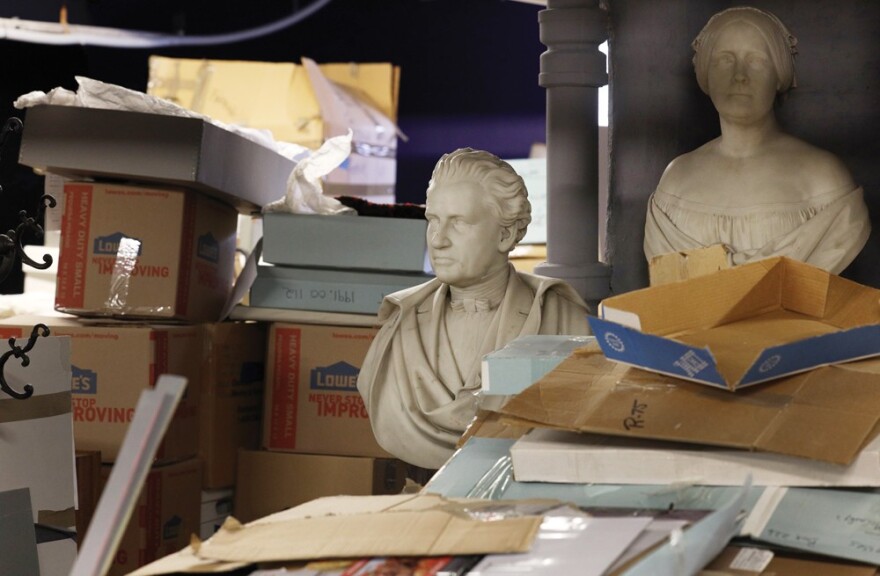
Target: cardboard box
[
  {"x": 274, "y": 96},
  {"x": 348, "y": 242},
  {"x": 326, "y": 290},
  {"x": 166, "y": 514},
  {"x": 524, "y": 360},
  {"x": 302, "y": 103},
  {"x": 88, "y": 489},
  {"x": 371, "y": 168},
  {"x": 827, "y": 414},
  {"x": 312, "y": 402},
  {"x": 679, "y": 266},
  {"x": 260, "y": 491},
  {"x": 545, "y": 455},
  {"x": 168, "y": 150},
  {"x": 111, "y": 364},
  {"x": 141, "y": 252},
  {"x": 745, "y": 561},
  {"x": 231, "y": 396},
  {"x": 742, "y": 326}
]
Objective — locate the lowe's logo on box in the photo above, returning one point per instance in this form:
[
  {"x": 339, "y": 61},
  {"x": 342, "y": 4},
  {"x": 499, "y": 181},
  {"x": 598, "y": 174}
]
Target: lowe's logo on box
[
  {"x": 84, "y": 381},
  {"x": 109, "y": 244},
  {"x": 208, "y": 248},
  {"x": 339, "y": 376}
]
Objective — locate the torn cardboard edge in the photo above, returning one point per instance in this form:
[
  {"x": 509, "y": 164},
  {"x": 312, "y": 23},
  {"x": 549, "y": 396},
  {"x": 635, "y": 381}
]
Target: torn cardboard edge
[
  {"x": 687, "y": 264},
  {"x": 743, "y": 326},
  {"x": 828, "y": 414},
  {"x": 366, "y": 526}
]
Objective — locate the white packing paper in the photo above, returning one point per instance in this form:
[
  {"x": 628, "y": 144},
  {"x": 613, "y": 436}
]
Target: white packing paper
[
  {"x": 96, "y": 94},
  {"x": 305, "y": 188}
]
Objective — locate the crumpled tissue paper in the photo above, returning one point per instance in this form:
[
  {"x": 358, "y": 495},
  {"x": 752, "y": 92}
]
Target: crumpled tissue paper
[
  {"x": 96, "y": 94},
  {"x": 305, "y": 189}
]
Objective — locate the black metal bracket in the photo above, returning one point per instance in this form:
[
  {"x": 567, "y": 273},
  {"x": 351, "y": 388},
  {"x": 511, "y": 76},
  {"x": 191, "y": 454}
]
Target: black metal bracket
[
  {"x": 21, "y": 353},
  {"x": 10, "y": 243},
  {"x": 10, "y": 249}
]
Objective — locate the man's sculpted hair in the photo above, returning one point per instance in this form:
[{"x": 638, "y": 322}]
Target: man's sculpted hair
[{"x": 506, "y": 189}]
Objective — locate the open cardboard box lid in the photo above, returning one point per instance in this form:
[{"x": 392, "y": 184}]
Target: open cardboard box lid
[
  {"x": 742, "y": 326},
  {"x": 827, "y": 414}
]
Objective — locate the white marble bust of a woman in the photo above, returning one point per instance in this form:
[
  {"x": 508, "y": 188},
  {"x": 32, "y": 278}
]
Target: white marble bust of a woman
[{"x": 757, "y": 190}]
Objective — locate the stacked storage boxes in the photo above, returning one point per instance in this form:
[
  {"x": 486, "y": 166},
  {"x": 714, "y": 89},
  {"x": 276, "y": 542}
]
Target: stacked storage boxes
[
  {"x": 315, "y": 424},
  {"x": 146, "y": 268},
  {"x": 343, "y": 264}
]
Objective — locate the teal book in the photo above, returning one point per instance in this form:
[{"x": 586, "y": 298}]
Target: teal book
[
  {"x": 346, "y": 242},
  {"x": 525, "y": 360},
  {"x": 327, "y": 290}
]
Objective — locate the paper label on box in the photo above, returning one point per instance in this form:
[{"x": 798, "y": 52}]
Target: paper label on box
[
  {"x": 752, "y": 559},
  {"x": 70, "y": 291},
  {"x": 285, "y": 388}
]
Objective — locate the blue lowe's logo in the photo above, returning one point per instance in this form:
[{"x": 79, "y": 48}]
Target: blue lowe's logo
[
  {"x": 84, "y": 381},
  {"x": 109, "y": 244},
  {"x": 208, "y": 248},
  {"x": 340, "y": 376}
]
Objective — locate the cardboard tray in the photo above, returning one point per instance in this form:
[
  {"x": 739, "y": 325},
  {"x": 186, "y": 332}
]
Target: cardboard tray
[
  {"x": 116, "y": 144},
  {"x": 742, "y": 326}
]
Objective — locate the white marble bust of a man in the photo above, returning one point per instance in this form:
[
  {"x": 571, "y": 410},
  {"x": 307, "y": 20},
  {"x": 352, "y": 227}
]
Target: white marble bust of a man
[
  {"x": 755, "y": 189},
  {"x": 421, "y": 378}
]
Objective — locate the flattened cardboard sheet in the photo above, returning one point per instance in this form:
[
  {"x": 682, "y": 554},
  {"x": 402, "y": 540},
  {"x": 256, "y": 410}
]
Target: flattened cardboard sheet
[
  {"x": 826, "y": 414},
  {"x": 365, "y": 526}
]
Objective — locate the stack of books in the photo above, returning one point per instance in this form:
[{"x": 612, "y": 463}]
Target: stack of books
[
  {"x": 763, "y": 375},
  {"x": 340, "y": 263}
]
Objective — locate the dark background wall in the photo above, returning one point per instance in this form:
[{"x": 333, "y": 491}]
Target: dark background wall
[
  {"x": 469, "y": 68},
  {"x": 658, "y": 111},
  {"x": 469, "y": 78}
]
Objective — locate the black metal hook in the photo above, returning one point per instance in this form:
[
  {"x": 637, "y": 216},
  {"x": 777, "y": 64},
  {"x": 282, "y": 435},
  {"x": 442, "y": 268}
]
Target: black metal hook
[
  {"x": 21, "y": 352},
  {"x": 10, "y": 249},
  {"x": 13, "y": 126},
  {"x": 10, "y": 243}
]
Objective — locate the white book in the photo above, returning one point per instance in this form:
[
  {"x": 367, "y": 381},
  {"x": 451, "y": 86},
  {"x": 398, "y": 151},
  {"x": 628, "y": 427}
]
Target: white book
[{"x": 545, "y": 455}]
